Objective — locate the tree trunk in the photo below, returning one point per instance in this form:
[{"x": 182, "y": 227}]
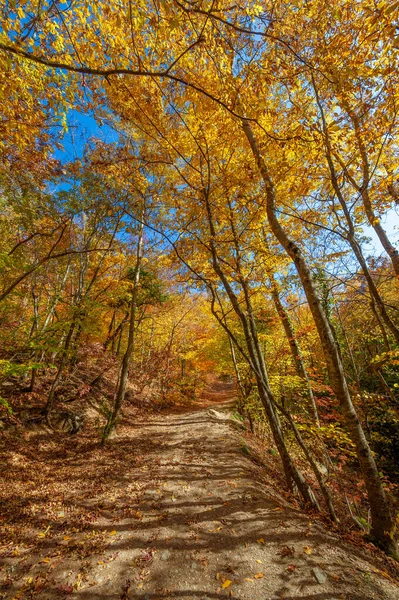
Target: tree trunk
[
  {"x": 127, "y": 357},
  {"x": 363, "y": 190},
  {"x": 374, "y": 293},
  {"x": 243, "y": 395},
  {"x": 295, "y": 480},
  {"x": 294, "y": 346},
  {"x": 50, "y": 399},
  {"x": 324, "y": 489},
  {"x": 383, "y": 525}
]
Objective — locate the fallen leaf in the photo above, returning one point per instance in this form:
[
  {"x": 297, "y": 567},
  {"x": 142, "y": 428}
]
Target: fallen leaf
[
  {"x": 226, "y": 583},
  {"x": 259, "y": 575},
  {"x": 44, "y": 533},
  {"x": 260, "y": 541},
  {"x": 287, "y": 551},
  {"x": 259, "y": 561},
  {"x": 113, "y": 532},
  {"x": 308, "y": 550},
  {"x": 78, "y": 582},
  {"x": 45, "y": 560},
  {"x": 40, "y": 582},
  {"x": 291, "y": 568}
]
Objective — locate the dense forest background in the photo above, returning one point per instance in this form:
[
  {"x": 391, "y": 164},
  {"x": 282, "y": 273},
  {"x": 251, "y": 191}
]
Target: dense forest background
[{"x": 190, "y": 189}]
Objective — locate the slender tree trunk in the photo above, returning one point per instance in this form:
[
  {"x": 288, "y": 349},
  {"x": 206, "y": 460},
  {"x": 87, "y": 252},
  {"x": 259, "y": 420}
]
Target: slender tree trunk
[
  {"x": 381, "y": 233},
  {"x": 380, "y": 324},
  {"x": 111, "y": 327},
  {"x": 114, "y": 336},
  {"x": 165, "y": 374},
  {"x": 50, "y": 399},
  {"x": 294, "y": 346},
  {"x": 49, "y": 316},
  {"x": 363, "y": 190},
  {"x": 295, "y": 480},
  {"x": 374, "y": 293},
  {"x": 237, "y": 372},
  {"x": 56, "y": 297},
  {"x": 383, "y": 524},
  {"x": 120, "y": 336},
  {"x": 350, "y": 352},
  {"x": 324, "y": 489},
  {"x": 373, "y": 220},
  {"x": 127, "y": 357}
]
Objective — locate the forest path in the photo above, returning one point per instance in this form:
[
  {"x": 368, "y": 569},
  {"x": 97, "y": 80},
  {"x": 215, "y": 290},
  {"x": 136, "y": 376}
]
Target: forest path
[{"x": 172, "y": 508}]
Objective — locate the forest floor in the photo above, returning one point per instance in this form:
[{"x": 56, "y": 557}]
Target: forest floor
[{"x": 173, "y": 507}]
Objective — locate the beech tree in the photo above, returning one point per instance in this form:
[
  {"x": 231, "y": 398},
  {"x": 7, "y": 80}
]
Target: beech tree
[{"x": 262, "y": 117}]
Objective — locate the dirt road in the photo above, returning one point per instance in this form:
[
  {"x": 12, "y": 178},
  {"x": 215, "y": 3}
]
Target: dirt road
[{"x": 171, "y": 509}]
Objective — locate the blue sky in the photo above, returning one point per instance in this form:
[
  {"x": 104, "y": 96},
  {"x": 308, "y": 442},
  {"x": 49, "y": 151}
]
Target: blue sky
[
  {"x": 82, "y": 127},
  {"x": 390, "y": 222}
]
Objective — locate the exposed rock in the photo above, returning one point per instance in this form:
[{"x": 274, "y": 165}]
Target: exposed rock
[{"x": 320, "y": 575}]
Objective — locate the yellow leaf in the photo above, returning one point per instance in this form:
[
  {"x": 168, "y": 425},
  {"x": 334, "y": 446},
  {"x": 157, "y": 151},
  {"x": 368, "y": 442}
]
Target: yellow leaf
[
  {"x": 259, "y": 562},
  {"x": 113, "y": 532},
  {"x": 226, "y": 583},
  {"x": 259, "y": 575},
  {"x": 392, "y": 8},
  {"x": 307, "y": 550},
  {"x": 67, "y": 537},
  {"x": 261, "y": 541},
  {"x": 45, "y": 560},
  {"x": 78, "y": 582}
]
